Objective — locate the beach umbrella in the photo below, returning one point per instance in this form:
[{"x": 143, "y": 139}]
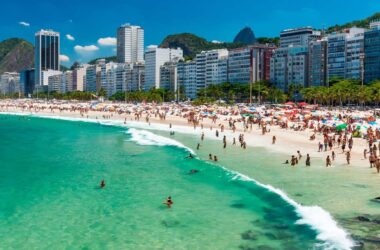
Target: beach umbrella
[{"x": 341, "y": 127}]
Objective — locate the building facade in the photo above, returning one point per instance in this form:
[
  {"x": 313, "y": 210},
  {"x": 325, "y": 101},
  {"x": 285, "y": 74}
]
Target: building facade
[
  {"x": 187, "y": 78},
  {"x": 298, "y": 36},
  {"x": 317, "y": 63},
  {"x": 27, "y": 82},
  {"x": 372, "y": 53},
  {"x": 130, "y": 44},
  {"x": 10, "y": 83},
  {"x": 46, "y": 54},
  {"x": 155, "y": 58}
]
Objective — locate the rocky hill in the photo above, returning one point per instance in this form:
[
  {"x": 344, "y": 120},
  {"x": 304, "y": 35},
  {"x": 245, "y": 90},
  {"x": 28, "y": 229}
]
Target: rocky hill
[
  {"x": 15, "y": 55},
  {"x": 245, "y": 36}
]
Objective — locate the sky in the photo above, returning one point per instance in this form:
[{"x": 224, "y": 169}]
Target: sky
[{"x": 88, "y": 28}]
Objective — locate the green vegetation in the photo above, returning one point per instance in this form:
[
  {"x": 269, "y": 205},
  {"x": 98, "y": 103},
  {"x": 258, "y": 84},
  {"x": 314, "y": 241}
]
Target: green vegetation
[
  {"x": 192, "y": 44},
  {"x": 15, "y": 55},
  {"x": 344, "y": 92},
  {"x": 364, "y": 23},
  {"x": 108, "y": 59},
  {"x": 237, "y": 92},
  {"x": 153, "y": 95},
  {"x": 269, "y": 40}
]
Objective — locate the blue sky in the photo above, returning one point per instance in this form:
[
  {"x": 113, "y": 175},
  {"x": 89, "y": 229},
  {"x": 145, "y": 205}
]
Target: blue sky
[{"x": 88, "y": 21}]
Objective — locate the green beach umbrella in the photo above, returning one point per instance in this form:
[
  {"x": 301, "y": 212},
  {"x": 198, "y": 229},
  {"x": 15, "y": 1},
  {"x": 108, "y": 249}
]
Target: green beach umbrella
[{"x": 341, "y": 127}]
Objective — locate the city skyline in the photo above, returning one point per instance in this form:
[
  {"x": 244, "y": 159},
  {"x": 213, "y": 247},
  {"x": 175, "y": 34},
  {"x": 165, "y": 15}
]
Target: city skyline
[{"x": 87, "y": 37}]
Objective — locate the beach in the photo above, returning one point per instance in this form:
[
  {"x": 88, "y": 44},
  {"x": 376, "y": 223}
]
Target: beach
[{"x": 343, "y": 190}]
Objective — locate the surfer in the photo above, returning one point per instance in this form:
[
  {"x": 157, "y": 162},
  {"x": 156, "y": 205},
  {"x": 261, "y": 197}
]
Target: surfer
[{"x": 168, "y": 202}]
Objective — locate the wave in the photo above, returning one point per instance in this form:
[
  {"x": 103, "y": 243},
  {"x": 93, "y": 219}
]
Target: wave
[
  {"x": 316, "y": 217},
  {"x": 143, "y": 137}
]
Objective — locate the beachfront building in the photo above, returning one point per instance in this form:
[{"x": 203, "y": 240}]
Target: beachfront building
[
  {"x": 9, "y": 83},
  {"x": 61, "y": 83},
  {"x": 298, "y": 37},
  {"x": 130, "y": 44},
  {"x": 289, "y": 66},
  {"x": 211, "y": 67},
  {"x": 354, "y": 53},
  {"x": 317, "y": 63},
  {"x": 344, "y": 51},
  {"x": 46, "y": 54},
  {"x": 79, "y": 77},
  {"x": 93, "y": 76},
  {"x": 155, "y": 58},
  {"x": 168, "y": 76},
  {"x": 187, "y": 78},
  {"x": 249, "y": 64},
  {"x": 372, "y": 53},
  {"x": 135, "y": 77},
  {"x": 43, "y": 87},
  {"x": 27, "y": 82}
]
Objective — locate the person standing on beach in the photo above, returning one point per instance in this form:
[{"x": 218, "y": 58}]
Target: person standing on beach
[
  {"x": 348, "y": 157},
  {"x": 274, "y": 140},
  {"x": 328, "y": 161},
  {"x": 299, "y": 155},
  {"x": 333, "y": 155},
  {"x": 365, "y": 153},
  {"x": 198, "y": 146},
  {"x": 293, "y": 161},
  {"x": 307, "y": 160},
  {"x": 203, "y": 136},
  {"x": 210, "y": 157}
]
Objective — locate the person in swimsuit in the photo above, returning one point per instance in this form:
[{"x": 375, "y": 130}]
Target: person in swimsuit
[
  {"x": 168, "y": 202},
  {"x": 102, "y": 184}
]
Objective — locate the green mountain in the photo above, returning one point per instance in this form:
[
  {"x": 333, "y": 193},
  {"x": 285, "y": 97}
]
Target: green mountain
[
  {"x": 192, "y": 44},
  {"x": 108, "y": 59},
  {"x": 15, "y": 55},
  {"x": 245, "y": 36},
  {"x": 364, "y": 23}
]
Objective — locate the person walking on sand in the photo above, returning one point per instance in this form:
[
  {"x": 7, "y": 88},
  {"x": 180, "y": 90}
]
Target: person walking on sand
[
  {"x": 328, "y": 161},
  {"x": 333, "y": 155}
]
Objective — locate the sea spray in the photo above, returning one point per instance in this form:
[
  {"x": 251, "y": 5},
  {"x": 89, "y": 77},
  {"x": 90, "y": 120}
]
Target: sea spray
[{"x": 143, "y": 137}]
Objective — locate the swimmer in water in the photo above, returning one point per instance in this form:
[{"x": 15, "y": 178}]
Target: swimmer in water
[
  {"x": 168, "y": 202},
  {"x": 215, "y": 158},
  {"x": 286, "y": 162},
  {"x": 102, "y": 184},
  {"x": 193, "y": 171},
  {"x": 190, "y": 156}
]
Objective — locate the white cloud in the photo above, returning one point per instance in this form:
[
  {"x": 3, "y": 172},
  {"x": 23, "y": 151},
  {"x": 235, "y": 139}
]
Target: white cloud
[
  {"x": 70, "y": 37},
  {"x": 107, "y": 41},
  {"x": 24, "y": 24},
  {"x": 88, "y": 48},
  {"x": 64, "y": 58}
]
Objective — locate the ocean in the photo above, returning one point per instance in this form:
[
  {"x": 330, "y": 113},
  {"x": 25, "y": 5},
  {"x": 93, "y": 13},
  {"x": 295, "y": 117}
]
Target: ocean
[{"x": 50, "y": 171}]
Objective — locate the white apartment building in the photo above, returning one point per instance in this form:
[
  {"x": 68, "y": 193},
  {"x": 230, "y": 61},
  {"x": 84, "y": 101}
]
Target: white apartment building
[
  {"x": 9, "y": 83},
  {"x": 79, "y": 78},
  {"x": 156, "y": 57},
  {"x": 130, "y": 44},
  {"x": 187, "y": 78}
]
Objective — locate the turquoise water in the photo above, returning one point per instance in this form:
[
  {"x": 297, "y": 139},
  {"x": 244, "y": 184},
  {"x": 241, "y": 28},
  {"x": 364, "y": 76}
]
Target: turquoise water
[{"x": 50, "y": 171}]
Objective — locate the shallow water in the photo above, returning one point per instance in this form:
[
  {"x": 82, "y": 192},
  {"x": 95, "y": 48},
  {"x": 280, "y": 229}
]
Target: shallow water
[{"x": 50, "y": 171}]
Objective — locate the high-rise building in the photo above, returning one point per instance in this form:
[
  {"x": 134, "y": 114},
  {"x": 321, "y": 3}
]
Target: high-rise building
[
  {"x": 154, "y": 58},
  {"x": 249, "y": 64},
  {"x": 372, "y": 53},
  {"x": 289, "y": 66},
  {"x": 318, "y": 63},
  {"x": 79, "y": 77},
  {"x": 187, "y": 78},
  {"x": 298, "y": 36},
  {"x": 10, "y": 83},
  {"x": 130, "y": 44},
  {"x": 168, "y": 76},
  {"x": 93, "y": 76},
  {"x": 27, "y": 82},
  {"x": 46, "y": 53},
  {"x": 344, "y": 51}
]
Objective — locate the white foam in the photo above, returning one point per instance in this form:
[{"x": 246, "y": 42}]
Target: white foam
[
  {"x": 143, "y": 137},
  {"x": 314, "y": 216}
]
